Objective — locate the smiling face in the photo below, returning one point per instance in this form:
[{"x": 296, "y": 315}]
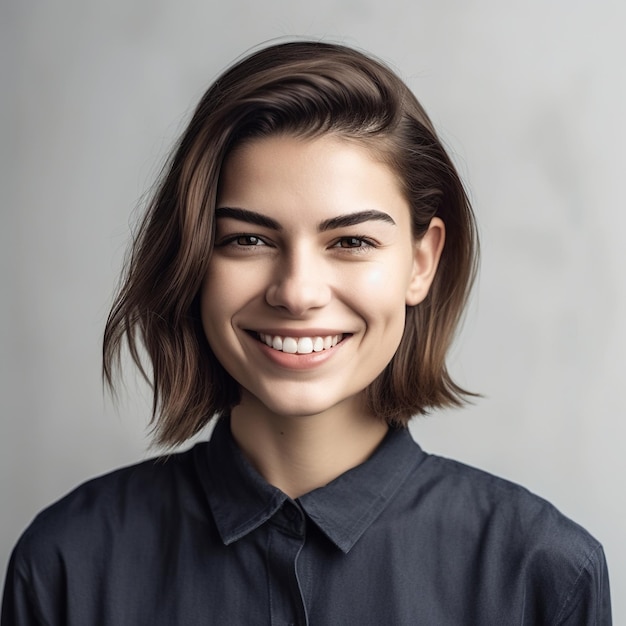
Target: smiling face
[{"x": 314, "y": 262}]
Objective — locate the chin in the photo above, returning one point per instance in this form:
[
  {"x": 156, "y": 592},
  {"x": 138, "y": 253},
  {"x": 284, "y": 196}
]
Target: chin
[
  {"x": 303, "y": 403},
  {"x": 300, "y": 408}
]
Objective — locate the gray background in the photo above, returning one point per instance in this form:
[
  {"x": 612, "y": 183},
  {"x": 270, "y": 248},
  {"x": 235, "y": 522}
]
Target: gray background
[{"x": 530, "y": 97}]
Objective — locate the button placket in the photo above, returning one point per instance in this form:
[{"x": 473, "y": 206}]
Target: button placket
[{"x": 286, "y": 542}]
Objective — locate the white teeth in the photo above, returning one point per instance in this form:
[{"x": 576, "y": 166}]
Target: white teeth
[
  {"x": 300, "y": 345},
  {"x": 305, "y": 345},
  {"x": 290, "y": 345}
]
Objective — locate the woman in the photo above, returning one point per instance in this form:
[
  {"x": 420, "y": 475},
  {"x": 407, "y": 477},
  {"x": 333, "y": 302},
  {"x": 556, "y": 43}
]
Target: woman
[{"x": 298, "y": 277}]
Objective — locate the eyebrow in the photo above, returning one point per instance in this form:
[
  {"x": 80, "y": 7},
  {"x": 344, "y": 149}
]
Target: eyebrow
[
  {"x": 352, "y": 219},
  {"x": 341, "y": 221},
  {"x": 244, "y": 215}
]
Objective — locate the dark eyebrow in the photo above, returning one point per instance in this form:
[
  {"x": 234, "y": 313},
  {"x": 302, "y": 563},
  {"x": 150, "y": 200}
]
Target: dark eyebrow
[
  {"x": 341, "y": 221},
  {"x": 352, "y": 219},
  {"x": 244, "y": 215}
]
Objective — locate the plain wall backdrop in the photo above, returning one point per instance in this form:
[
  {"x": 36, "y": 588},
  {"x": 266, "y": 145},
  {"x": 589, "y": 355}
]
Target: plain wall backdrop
[{"x": 531, "y": 99}]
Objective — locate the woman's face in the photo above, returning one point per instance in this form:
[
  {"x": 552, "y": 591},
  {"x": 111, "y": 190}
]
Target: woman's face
[{"x": 304, "y": 299}]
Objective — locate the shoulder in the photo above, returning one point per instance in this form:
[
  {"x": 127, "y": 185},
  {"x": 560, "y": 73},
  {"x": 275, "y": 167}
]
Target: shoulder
[
  {"x": 118, "y": 504},
  {"x": 516, "y": 538},
  {"x": 476, "y": 497},
  {"x": 101, "y": 538}
]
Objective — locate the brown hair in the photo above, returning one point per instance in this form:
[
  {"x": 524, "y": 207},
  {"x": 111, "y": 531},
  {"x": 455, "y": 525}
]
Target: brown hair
[{"x": 305, "y": 89}]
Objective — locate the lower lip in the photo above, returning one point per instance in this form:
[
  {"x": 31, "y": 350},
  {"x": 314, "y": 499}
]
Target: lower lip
[{"x": 298, "y": 361}]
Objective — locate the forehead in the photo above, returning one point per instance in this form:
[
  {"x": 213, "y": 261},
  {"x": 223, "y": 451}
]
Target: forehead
[{"x": 321, "y": 177}]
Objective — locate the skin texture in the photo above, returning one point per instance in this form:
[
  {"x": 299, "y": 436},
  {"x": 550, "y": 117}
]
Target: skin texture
[{"x": 302, "y": 419}]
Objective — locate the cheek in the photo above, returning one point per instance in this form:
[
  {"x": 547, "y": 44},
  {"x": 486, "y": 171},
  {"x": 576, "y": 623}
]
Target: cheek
[
  {"x": 379, "y": 296},
  {"x": 215, "y": 304},
  {"x": 375, "y": 278},
  {"x": 219, "y": 292},
  {"x": 385, "y": 285}
]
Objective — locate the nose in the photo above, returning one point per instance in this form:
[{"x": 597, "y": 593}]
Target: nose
[{"x": 299, "y": 284}]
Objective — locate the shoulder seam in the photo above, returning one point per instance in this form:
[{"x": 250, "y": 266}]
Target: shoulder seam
[{"x": 566, "y": 609}]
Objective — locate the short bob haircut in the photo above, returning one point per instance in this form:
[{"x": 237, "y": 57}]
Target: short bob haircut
[{"x": 303, "y": 89}]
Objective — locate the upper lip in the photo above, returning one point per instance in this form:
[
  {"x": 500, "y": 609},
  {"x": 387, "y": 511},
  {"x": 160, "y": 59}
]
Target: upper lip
[{"x": 300, "y": 332}]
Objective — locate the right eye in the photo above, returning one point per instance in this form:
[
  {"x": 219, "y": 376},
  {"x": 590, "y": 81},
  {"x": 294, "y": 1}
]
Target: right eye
[
  {"x": 242, "y": 240},
  {"x": 249, "y": 240}
]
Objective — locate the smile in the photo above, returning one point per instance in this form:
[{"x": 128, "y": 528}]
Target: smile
[{"x": 300, "y": 345}]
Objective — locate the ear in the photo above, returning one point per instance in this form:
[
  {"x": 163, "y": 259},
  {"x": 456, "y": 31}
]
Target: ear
[{"x": 426, "y": 254}]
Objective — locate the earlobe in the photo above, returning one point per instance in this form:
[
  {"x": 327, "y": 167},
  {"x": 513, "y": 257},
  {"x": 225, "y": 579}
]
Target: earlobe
[{"x": 427, "y": 252}]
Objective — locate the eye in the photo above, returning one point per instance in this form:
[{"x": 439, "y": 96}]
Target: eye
[
  {"x": 249, "y": 240},
  {"x": 242, "y": 240},
  {"x": 352, "y": 243}
]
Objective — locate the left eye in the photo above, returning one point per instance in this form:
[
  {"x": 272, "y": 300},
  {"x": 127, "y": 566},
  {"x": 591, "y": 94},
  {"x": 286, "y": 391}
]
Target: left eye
[{"x": 353, "y": 242}]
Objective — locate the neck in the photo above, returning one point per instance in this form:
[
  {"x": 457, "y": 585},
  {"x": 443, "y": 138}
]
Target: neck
[{"x": 300, "y": 453}]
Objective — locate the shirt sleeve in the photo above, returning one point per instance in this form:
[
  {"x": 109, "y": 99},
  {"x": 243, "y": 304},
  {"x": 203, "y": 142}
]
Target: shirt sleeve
[{"x": 589, "y": 603}]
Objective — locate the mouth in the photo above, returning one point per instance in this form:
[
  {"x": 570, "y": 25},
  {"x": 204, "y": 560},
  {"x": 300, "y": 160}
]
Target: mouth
[{"x": 300, "y": 345}]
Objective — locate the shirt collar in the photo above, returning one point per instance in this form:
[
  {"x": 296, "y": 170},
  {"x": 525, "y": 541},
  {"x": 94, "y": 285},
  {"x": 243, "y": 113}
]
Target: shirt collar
[
  {"x": 346, "y": 507},
  {"x": 242, "y": 500}
]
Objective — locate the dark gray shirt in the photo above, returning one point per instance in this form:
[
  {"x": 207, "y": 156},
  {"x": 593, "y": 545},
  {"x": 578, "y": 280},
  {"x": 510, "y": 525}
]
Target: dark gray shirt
[{"x": 405, "y": 538}]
